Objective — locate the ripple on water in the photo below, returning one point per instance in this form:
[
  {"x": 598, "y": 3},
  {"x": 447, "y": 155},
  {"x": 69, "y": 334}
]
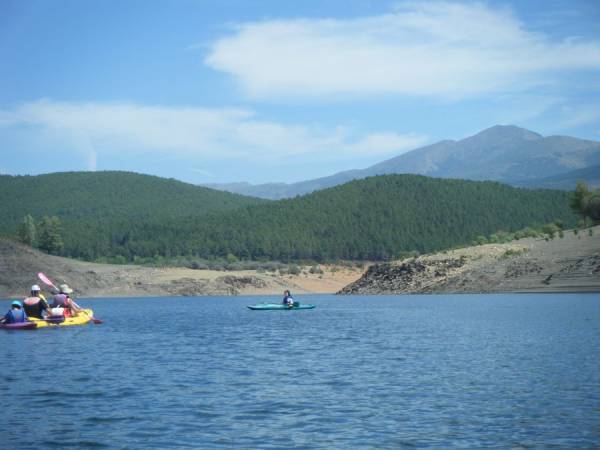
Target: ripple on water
[{"x": 368, "y": 372}]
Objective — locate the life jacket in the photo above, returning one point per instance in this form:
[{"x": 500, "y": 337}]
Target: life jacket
[
  {"x": 16, "y": 316},
  {"x": 60, "y": 301},
  {"x": 34, "y": 306}
]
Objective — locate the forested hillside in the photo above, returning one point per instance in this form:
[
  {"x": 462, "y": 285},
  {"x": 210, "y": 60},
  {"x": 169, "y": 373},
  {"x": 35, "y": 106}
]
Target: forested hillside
[
  {"x": 375, "y": 218},
  {"x": 107, "y": 196},
  {"x": 129, "y": 215},
  {"x": 92, "y": 214}
]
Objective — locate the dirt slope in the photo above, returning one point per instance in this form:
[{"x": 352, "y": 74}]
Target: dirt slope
[
  {"x": 571, "y": 263},
  {"x": 535, "y": 265},
  {"x": 19, "y": 265}
]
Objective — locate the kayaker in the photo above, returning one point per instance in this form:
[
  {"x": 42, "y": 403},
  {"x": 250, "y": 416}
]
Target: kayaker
[
  {"x": 16, "y": 314},
  {"x": 63, "y": 301},
  {"x": 288, "y": 300},
  {"x": 36, "y": 305}
]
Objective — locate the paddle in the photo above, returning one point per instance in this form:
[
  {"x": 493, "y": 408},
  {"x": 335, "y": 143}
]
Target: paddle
[{"x": 48, "y": 282}]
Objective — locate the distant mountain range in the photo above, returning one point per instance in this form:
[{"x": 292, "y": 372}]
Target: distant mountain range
[
  {"x": 568, "y": 180},
  {"x": 508, "y": 154}
]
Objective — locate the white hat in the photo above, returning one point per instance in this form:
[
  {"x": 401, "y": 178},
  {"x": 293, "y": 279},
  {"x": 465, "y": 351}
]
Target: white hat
[
  {"x": 35, "y": 288},
  {"x": 65, "y": 289}
]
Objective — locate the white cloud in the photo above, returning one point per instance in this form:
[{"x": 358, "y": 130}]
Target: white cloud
[
  {"x": 204, "y": 173},
  {"x": 82, "y": 144},
  {"x": 579, "y": 115},
  {"x": 387, "y": 143},
  {"x": 424, "y": 49},
  {"x": 97, "y": 130},
  {"x": 128, "y": 126},
  {"x": 523, "y": 108}
]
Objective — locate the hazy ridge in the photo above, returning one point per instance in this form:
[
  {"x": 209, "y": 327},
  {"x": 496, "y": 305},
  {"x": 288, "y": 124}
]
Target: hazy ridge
[{"x": 508, "y": 154}]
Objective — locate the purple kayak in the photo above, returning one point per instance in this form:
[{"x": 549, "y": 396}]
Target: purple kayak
[{"x": 19, "y": 326}]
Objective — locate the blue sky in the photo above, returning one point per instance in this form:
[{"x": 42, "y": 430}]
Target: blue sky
[{"x": 237, "y": 90}]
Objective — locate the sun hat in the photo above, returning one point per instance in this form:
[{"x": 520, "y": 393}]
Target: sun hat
[
  {"x": 65, "y": 289},
  {"x": 16, "y": 303}
]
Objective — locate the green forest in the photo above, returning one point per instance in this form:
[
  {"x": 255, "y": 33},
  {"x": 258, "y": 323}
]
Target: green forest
[
  {"x": 117, "y": 214},
  {"x": 108, "y": 196}
]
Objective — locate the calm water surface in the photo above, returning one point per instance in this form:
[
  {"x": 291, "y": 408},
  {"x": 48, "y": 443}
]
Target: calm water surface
[{"x": 471, "y": 371}]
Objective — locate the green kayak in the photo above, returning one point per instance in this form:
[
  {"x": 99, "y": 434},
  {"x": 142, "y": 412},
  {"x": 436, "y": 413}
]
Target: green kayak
[{"x": 272, "y": 306}]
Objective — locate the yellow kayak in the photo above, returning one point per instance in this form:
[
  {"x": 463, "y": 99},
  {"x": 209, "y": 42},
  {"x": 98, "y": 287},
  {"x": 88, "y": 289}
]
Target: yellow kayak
[{"x": 84, "y": 316}]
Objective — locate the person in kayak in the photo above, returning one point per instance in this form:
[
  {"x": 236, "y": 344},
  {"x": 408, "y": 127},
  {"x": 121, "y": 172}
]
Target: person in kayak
[
  {"x": 16, "y": 313},
  {"x": 36, "y": 305},
  {"x": 288, "y": 300},
  {"x": 63, "y": 301}
]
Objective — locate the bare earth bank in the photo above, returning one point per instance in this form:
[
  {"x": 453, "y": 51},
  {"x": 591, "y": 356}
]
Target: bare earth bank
[
  {"x": 529, "y": 265},
  {"x": 568, "y": 264},
  {"x": 19, "y": 265}
]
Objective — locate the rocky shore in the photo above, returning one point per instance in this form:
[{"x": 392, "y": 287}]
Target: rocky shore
[{"x": 570, "y": 263}]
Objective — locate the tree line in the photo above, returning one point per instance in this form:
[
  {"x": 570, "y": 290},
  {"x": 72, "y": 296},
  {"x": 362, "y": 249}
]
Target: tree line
[{"x": 378, "y": 218}]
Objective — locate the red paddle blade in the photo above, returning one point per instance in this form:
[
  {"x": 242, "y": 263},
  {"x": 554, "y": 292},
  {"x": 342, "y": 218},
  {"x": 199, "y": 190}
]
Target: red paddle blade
[{"x": 97, "y": 321}]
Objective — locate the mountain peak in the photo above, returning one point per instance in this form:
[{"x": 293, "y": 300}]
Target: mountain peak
[
  {"x": 504, "y": 153},
  {"x": 507, "y": 132}
]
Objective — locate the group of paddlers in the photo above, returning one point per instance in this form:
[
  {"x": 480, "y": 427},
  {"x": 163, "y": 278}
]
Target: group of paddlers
[{"x": 37, "y": 306}]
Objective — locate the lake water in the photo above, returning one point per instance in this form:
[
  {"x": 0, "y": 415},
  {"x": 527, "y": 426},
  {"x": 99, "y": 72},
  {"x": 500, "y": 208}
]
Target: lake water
[{"x": 445, "y": 371}]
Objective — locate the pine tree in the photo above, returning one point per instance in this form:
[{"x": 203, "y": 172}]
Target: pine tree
[
  {"x": 578, "y": 197},
  {"x": 50, "y": 239},
  {"x": 586, "y": 203},
  {"x": 27, "y": 231}
]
